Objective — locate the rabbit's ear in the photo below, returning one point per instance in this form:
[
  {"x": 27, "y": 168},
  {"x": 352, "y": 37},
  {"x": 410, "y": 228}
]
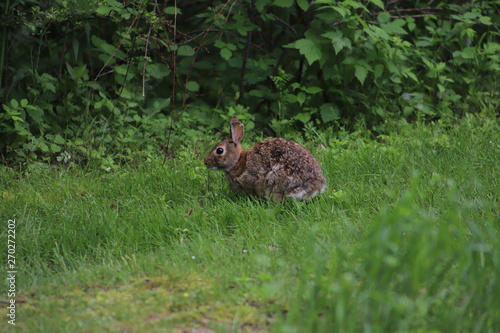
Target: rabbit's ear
[{"x": 237, "y": 129}]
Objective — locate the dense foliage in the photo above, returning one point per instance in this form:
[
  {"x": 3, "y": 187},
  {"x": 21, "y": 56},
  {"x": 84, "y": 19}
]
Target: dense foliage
[{"x": 98, "y": 79}]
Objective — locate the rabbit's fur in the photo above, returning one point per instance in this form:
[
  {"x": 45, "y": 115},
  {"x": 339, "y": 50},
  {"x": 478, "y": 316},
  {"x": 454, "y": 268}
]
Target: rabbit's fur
[{"x": 276, "y": 168}]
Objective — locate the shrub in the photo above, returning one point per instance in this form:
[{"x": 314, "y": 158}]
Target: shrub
[{"x": 101, "y": 79}]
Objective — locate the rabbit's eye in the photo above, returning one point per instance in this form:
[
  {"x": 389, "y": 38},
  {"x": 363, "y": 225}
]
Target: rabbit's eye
[{"x": 219, "y": 151}]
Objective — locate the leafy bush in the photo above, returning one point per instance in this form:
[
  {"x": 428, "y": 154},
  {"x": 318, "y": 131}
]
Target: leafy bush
[{"x": 97, "y": 80}]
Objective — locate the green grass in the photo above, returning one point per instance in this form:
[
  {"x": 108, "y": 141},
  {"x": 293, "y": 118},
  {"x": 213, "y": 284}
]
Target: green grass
[{"x": 406, "y": 238}]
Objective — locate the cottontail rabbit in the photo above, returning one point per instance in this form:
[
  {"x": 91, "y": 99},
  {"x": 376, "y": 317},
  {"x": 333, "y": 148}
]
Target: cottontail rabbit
[{"x": 276, "y": 168}]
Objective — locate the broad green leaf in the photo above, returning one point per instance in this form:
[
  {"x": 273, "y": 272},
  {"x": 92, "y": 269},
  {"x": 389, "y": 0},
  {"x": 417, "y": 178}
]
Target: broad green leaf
[
  {"x": 260, "y": 4},
  {"x": 342, "y": 11},
  {"x": 24, "y": 102},
  {"x": 59, "y": 140},
  {"x": 471, "y": 15},
  {"x": 158, "y": 70},
  {"x": 376, "y": 33},
  {"x": 485, "y": 20},
  {"x": 468, "y": 53},
  {"x": 378, "y": 3},
  {"x": 361, "y": 21},
  {"x": 395, "y": 27},
  {"x": 172, "y": 10},
  {"x": 55, "y": 148},
  {"x": 107, "y": 48},
  {"x": 283, "y": 3},
  {"x": 309, "y": 49},
  {"x": 339, "y": 42},
  {"x": 35, "y": 113},
  {"x": 71, "y": 72},
  {"x": 361, "y": 72},
  {"x": 303, "y": 117},
  {"x": 412, "y": 76},
  {"x": 378, "y": 71},
  {"x": 313, "y": 90},
  {"x": 384, "y": 17},
  {"x": 103, "y": 10},
  {"x": 226, "y": 53},
  {"x": 218, "y": 43},
  {"x": 329, "y": 112},
  {"x": 231, "y": 46},
  {"x": 43, "y": 147},
  {"x": 193, "y": 86},
  {"x": 185, "y": 50},
  {"x": 303, "y": 4},
  {"x": 14, "y": 103},
  {"x": 301, "y": 98},
  {"x": 290, "y": 98}
]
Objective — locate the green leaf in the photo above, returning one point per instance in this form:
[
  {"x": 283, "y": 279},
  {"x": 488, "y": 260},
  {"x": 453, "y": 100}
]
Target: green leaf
[
  {"x": 303, "y": 117},
  {"x": 378, "y": 3},
  {"x": 384, "y": 17},
  {"x": 158, "y": 70},
  {"x": 173, "y": 10},
  {"x": 412, "y": 76},
  {"x": 43, "y": 147},
  {"x": 361, "y": 72},
  {"x": 468, "y": 53},
  {"x": 226, "y": 53},
  {"x": 107, "y": 48},
  {"x": 283, "y": 3},
  {"x": 59, "y": 140},
  {"x": 309, "y": 49},
  {"x": 341, "y": 10},
  {"x": 301, "y": 98},
  {"x": 394, "y": 27},
  {"x": 303, "y": 4},
  {"x": 377, "y": 34},
  {"x": 55, "y": 148},
  {"x": 103, "y": 10},
  {"x": 313, "y": 90},
  {"x": 339, "y": 42},
  {"x": 185, "y": 50},
  {"x": 486, "y": 20},
  {"x": 35, "y": 113},
  {"x": 378, "y": 71},
  {"x": 329, "y": 112},
  {"x": 193, "y": 86},
  {"x": 260, "y": 4},
  {"x": 14, "y": 103},
  {"x": 231, "y": 46}
]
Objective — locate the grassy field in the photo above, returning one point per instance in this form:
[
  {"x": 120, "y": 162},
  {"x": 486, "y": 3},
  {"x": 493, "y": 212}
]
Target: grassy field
[{"x": 406, "y": 239}]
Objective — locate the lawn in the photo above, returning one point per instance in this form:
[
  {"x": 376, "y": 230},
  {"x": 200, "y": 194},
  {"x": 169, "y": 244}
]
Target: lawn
[{"x": 405, "y": 239}]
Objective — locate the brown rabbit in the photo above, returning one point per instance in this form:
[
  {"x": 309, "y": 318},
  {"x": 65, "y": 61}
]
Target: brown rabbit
[{"x": 276, "y": 168}]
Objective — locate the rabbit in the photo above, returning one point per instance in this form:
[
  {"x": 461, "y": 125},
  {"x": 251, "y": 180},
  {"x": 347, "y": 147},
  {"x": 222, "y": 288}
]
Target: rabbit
[{"x": 275, "y": 168}]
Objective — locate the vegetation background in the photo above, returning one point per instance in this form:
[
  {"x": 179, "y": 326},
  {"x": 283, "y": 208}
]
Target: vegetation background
[
  {"x": 108, "y": 108},
  {"x": 101, "y": 80}
]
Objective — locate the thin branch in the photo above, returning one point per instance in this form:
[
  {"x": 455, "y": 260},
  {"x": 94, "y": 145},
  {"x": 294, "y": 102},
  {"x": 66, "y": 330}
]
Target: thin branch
[
  {"x": 197, "y": 49},
  {"x": 120, "y": 45},
  {"x": 146, "y": 54},
  {"x": 408, "y": 10},
  {"x": 247, "y": 53},
  {"x": 285, "y": 24},
  {"x": 174, "y": 83}
]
